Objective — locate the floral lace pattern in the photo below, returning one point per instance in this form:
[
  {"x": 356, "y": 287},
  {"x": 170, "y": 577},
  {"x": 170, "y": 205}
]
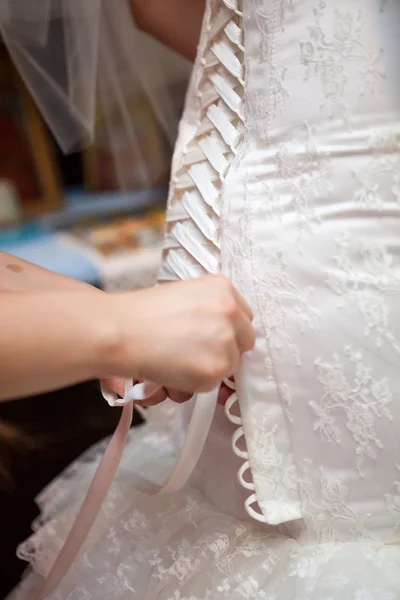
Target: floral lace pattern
[
  {"x": 309, "y": 233},
  {"x": 367, "y": 282},
  {"x": 182, "y": 548},
  {"x": 310, "y": 238},
  {"x": 362, "y": 401},
  {"x": 327, "y": 56}
]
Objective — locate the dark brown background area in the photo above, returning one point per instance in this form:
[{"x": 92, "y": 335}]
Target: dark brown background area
[{"x": 44, "y": 434}]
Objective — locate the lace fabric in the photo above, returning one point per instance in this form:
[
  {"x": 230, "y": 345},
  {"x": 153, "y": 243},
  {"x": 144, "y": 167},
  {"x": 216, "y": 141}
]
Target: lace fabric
[
  {"x": 307, "y": 217},
  {"x": 182, "y": 547},
  {"x": 192, "y": 245}
]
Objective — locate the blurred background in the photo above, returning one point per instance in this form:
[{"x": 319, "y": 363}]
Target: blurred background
[{"x": 93, "y": 216}]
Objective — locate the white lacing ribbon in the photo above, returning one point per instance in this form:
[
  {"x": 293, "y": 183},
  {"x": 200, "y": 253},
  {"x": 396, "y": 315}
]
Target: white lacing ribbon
[
  {"x": 196, "y": 436},
  {"x": 238, "y": 436},
  {"x": 204, "y": 168}
]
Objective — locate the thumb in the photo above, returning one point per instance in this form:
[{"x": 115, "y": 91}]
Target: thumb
[{"x": 116, "y": 384}]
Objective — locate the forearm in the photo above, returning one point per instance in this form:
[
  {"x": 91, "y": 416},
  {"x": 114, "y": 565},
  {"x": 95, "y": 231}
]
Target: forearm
[
  {"x": 18, "y": 275},
  {"x": 51, "y": 340},
  {"x": 176, "y": 23}
]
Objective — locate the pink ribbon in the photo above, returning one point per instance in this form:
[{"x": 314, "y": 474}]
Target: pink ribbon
[{"x": 197, "y": 433}]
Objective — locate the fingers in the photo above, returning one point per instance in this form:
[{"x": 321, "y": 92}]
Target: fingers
[
  {"x": 245, "y": 334},
  {"x": 234, "y": 362},
  {"x": 155, "y": 399},
  {"x": 163, "y": 394},
  {"x": 232, "y": 291},
  {"x": 181, "y": 397},
  {"x": 242, "y": 319},
  {"x": 243, "y": 305},
  {"x": 177, "y": 396},
  {"x": 224, "y": 394},
  {"x": 116, "y": 384}
]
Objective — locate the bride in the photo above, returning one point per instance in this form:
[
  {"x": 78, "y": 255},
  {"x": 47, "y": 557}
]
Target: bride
[{"x": 286, "y": 178}]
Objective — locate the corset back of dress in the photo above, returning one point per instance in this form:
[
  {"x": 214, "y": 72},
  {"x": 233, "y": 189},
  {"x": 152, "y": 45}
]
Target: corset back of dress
[{"x": 287, "y": 178}]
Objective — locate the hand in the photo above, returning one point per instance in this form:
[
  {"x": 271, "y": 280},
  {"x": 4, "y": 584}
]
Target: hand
[
  {"x": 117, "y": 385},
  {"x": 185, "y": 336}
]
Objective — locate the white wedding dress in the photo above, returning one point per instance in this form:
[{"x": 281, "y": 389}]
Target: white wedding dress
[{"x": 286, "y": 177}]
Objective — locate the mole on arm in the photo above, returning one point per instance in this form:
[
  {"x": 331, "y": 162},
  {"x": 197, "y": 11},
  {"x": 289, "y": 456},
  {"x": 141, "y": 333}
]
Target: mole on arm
[{"x": 14, "y": 268}]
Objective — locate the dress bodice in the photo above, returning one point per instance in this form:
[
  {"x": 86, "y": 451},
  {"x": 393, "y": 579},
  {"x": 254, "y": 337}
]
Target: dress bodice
[{"x": 286, "y": 177}]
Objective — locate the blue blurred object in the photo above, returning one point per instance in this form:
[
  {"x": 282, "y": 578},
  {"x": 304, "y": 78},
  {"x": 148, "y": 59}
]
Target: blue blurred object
[
  {"x": 40, "y": 243},
  {"x": 56, "y": 253},
  {"x": 81, "y": 206},
  {"x": 20, "y": 235}
]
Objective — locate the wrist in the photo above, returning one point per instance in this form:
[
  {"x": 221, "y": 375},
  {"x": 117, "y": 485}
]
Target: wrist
[{"x": 114, "y": 348}]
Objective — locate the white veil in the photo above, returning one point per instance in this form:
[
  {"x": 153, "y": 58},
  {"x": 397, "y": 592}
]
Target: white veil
[{"x": 85, "y": 61}]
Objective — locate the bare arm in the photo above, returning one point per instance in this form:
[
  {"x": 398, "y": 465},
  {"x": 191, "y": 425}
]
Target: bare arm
[
  {"x": 50, "y": 340},
  {"x": 17, "y": 275},
  {"x": 185, "y": 336},
  {"x": 176, "y": 23}
]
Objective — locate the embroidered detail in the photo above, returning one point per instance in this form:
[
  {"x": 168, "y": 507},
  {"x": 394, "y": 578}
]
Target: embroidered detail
[
  {"x": 275, "y": 469},
  {"x": 393, "y": 501},
  {"x": 366, "y": 276},
  {"x": 331, "y": 552},
  {"x": 329, "y": 59},
  {"x": 363, "y": 401},
  {"x": 244, "y": 543},
  {"x": 327, "y": 510},
  {"x": 270, "y": 16},
  {"x": 383, "y": 166},
  {"x": 286, "y": 397}
]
